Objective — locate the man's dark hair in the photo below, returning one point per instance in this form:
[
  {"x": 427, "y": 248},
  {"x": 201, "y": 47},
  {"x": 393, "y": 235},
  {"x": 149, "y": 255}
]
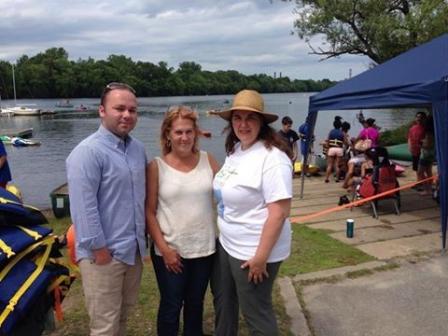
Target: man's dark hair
[
  {"x": 286, "y": 121},
  {"x": 114, "y": 86},
  {"x": 421, "y": 114}
]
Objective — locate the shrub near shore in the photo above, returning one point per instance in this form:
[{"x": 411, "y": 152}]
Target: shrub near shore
[{"x": 396, "y": 136}]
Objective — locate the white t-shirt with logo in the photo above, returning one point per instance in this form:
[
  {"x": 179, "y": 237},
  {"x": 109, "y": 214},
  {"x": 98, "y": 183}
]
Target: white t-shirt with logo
[{"x": 247, "y": 182}]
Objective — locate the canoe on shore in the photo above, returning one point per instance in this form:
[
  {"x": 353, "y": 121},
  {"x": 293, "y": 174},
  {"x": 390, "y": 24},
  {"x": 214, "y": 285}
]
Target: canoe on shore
[{"x": 399, "y": 152}]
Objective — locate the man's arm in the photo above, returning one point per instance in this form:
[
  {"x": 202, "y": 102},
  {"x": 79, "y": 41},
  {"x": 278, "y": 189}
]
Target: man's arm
[
  {"x": 2, "y": 160},
  {"x": 84, "y": 178},
  {"x": 3, "y": 156}
]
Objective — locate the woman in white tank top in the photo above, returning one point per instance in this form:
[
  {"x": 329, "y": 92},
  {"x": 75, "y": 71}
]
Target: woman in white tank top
[{"x": 181, "y": 222}]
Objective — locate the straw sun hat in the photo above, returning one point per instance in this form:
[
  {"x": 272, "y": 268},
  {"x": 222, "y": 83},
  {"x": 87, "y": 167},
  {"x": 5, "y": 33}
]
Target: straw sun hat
[{"x": 251, "y": 101}]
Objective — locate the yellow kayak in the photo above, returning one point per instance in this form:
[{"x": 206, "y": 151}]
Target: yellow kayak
[{"x": 312, "y": 169}]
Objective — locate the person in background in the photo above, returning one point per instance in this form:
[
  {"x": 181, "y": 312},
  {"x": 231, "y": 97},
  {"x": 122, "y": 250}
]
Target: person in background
[
  {"x": 365, "y": 168},
  {"x": 338, "y": 119},
  {"x": 254, "y": 191},
  {"x": 335, "y": 151},
  {"x": 416, "y": 135},
  {"x": 106, "y": 181},
  {"x": 347, "y": 150},
  {"x": 305, "y": 143},
  {"x": 427, "y": 156},
  {"x": 290, "y": 136},
  {"x": 345, "y": 127},
  {"x": 370, "y": 131},
  {"x": 181, "y": 222},
  {"x": 5, "y": 172},
  {"x": 353, "y": 167}
]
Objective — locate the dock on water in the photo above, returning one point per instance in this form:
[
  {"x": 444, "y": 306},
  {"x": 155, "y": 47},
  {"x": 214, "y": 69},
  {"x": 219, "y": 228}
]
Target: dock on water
[{"x": 14, "y": 132}]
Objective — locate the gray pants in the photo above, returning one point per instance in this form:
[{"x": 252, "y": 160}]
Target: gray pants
[{"x": 231, "y": 290}]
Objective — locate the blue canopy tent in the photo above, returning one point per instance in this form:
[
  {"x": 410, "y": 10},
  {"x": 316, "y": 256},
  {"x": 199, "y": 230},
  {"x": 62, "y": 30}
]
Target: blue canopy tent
[{"x": 416, "y": 78}]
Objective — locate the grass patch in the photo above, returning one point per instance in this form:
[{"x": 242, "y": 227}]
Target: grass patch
[
  {"x": 313, "y": 250},
  {"x": 143, "y": 319},
  {"x": 59, "y": 225}
]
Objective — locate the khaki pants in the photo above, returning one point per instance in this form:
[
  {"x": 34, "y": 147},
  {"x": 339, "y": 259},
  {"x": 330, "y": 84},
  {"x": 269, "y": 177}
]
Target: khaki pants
[{"x": 110, "y": 291}]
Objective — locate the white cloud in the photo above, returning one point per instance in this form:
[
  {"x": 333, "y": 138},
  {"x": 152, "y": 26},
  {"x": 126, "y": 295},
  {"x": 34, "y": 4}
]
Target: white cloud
[{"x": 252, "y": 36}]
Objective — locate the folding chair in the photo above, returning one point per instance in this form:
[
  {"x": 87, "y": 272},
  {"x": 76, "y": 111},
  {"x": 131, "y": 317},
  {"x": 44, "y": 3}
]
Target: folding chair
[{"x": 383, "y": 179}]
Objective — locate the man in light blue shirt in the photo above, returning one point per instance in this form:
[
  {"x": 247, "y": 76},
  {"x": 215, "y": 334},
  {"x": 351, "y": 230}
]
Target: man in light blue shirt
[{"x": 106, "y": 177}]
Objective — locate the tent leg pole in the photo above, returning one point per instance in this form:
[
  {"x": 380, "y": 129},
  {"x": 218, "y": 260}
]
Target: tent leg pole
[{"x": 302, "y": 175}]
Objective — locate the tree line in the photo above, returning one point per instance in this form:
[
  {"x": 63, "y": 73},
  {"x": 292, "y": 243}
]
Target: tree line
[{"x": 52, "y": 75}]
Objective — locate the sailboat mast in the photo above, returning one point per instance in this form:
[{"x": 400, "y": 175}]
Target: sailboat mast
[{"x": 14, "y": 84}]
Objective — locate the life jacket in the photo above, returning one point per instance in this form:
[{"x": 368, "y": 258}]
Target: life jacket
[
  {"x": 32, "y": 278},
  {"x": 15, "y": 238},
  {"x": 335, "y": 143},
  {"x": 14, "y": 212}
]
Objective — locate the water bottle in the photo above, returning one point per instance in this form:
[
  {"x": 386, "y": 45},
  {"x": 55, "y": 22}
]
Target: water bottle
[{"x": 350, "y": 228}]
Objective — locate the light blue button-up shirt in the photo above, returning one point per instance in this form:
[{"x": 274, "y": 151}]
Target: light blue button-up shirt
[{"x": 106, "y": 179}]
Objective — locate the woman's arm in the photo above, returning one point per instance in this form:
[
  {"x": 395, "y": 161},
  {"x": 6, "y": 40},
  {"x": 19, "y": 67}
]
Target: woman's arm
[
  {"x": 277, "y": 213},
  {"x": 170, "y": 256}
]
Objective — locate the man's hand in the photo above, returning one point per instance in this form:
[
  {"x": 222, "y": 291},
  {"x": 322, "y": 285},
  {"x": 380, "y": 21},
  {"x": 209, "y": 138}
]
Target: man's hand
[{"x": 102, "y": 256}]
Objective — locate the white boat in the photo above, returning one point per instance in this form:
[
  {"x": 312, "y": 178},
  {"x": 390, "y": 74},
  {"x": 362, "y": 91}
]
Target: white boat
[
  {"x": 21, "y": 110},
  {"x": 25, "y": 111},
  {"x": 5, "y": 112}
]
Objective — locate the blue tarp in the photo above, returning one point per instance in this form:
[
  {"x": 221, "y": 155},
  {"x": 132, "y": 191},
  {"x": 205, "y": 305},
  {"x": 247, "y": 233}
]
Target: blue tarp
[{"x": 416, "y": 78}]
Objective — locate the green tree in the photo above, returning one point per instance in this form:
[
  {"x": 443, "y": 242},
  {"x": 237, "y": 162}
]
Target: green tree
[
  {"x": 6, "y": 90},
  {"x": 88, "y": 77},
  {"x": 187, "y": 69},
  {"x": 379, "y": 29}
]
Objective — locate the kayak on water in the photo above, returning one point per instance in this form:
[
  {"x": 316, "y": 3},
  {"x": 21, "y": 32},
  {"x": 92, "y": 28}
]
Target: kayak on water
[{"x": 18, "y": 142}]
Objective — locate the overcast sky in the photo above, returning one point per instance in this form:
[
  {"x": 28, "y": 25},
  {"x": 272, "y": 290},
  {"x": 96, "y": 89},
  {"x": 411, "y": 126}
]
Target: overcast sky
[{"x": 250, "y": 36}]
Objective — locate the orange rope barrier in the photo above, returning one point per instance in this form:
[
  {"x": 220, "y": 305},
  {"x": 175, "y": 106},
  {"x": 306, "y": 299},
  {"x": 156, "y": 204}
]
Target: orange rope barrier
[{"x": 359, "y": 202}]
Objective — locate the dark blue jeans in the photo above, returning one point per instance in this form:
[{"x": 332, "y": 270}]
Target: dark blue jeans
[{"x": 186, "y": 289}]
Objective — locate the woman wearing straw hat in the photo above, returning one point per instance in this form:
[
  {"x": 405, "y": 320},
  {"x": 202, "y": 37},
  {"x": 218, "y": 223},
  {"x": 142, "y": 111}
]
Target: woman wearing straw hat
[{"x": 253, "y": 190}]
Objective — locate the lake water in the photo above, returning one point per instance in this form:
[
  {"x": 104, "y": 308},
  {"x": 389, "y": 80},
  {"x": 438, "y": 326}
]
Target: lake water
[{"x": 39, "y": 170}]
